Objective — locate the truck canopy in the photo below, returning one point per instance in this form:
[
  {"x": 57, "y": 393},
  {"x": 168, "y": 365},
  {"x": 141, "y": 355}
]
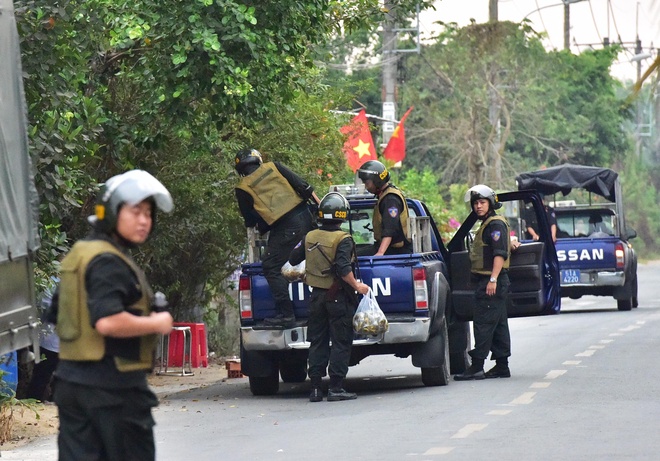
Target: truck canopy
[
  {"x": 18, "y": 195},
  {"x": 564, "y": 178}
]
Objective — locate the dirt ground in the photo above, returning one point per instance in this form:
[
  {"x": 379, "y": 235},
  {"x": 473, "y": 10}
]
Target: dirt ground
[{"x": 27, "y": 426}]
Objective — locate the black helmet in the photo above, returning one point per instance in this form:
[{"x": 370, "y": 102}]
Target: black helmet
[
  {"x": 131, "y": 188},
  {"x": 245, "y": 157},
  {"x": 334, "y": 207},
  {"x": 376, "y": 171},
  {"x": 482, "y": 191}
]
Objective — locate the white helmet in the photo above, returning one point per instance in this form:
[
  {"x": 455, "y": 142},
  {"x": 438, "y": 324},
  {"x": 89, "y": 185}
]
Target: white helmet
[
  {"x": 131, "y": 188},
  {"x": 482, "y": 191}
]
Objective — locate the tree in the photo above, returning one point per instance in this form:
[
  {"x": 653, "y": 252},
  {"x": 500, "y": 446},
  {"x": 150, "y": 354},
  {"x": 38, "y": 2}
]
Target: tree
[
  {"x": 176, "y": 88},
  {"x": 552, "y": 106}
]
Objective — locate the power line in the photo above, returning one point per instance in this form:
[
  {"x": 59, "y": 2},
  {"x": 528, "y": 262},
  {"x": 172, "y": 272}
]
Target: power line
[
  {"x": 618, "y": 35},
  {"x": 594, "y": 19},
  {"x": 538, "y": 8}
]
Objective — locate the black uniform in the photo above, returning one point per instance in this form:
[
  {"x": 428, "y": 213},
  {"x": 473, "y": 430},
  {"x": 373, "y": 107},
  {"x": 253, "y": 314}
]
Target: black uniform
[
  {"x": 391, "y": 207},
  {"x": 490, "y": 324},
  {"x": 531, "y": 221},
  {"x": 105, "y": 414},
  {"x": 284, "y": 234},
  {"x": 330, "y": 317}
]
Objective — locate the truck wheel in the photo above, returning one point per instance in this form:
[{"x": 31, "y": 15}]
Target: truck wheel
[
  {"x": 439, "y": 376},
  {"x": 460, "y": 344},
  {"x": 631, "y": 295},
  {"x": 264, "y": 385},
  {"x": 624, "y": 304},
  {"x": 293, "y": 369}
]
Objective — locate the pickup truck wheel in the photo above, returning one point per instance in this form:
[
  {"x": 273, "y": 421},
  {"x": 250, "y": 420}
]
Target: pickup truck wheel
[
  {"x": 294, "y": 369},
  {"x": 264, "y": 385},
  {"x": 624, "y": 304},
  {"x": 438, "y": 376},
  {"x": 630, "y": 293}
]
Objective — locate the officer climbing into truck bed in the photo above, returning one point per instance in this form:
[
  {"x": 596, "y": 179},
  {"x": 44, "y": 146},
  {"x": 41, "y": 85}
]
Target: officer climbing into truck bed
[
  {"x": 273, "y": 199},
  {"x": 390, "y": 220},
  {"x": 329, "y": 253},
  {"x": 489, "y": 258}
]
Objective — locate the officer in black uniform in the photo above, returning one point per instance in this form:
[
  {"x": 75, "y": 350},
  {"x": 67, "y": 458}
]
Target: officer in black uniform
[
  {"x": 274, "y": 199},
  {"x": 531, "y": 224},
  {"x": 489, "y": 258},
  {"x": 390, "y": 219},
  {"x": 108, "y": 330},
  {"x": 329, "y": 253}
]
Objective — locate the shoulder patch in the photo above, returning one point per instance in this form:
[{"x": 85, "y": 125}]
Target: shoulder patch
[
  {"x": 393, "y": 211},
  {"x": 495, "y": 235}
]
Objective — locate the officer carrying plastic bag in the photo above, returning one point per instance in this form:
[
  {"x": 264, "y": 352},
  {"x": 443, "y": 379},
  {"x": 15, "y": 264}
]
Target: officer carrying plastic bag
[{"x": 369, "y": 319}]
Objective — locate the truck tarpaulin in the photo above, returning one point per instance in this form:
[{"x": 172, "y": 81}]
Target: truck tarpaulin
[
  {"x": 564, "y": 178},
  {"x": 18, "y": 228}
]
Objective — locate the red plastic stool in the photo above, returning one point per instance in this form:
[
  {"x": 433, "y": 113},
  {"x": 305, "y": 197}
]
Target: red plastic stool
[
  {"x": 176, "y": 351},
  {"x": 198, "y": 352}
]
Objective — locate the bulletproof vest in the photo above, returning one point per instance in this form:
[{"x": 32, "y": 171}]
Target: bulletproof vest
[
  {"x": 272, "y": 194},
  {"x": 79, "y": 341},
  {"x": 403, "y": 217},
  {"x": 481, "y": 255},
  {"x": 319, "y": 271}
]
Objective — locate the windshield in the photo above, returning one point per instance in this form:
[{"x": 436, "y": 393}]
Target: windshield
[{"x": 584, "y": 223}]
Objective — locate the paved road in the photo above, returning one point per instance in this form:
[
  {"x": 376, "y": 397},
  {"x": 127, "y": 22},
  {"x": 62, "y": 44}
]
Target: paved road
[{"x": 585, "y": 386}]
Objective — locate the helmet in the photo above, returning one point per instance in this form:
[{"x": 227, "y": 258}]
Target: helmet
[
  {"x": 482, "y": 191},
  {"x": 376, "y": 171},
  {"x": 245, "y": 157},
  {"x": 131, "y": 188},
  {"x": 334, "y": 207}
]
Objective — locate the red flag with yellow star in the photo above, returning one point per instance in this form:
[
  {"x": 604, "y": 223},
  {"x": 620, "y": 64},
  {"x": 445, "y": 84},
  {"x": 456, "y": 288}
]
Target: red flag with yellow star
[
  {"x": 359, "y": 145},
  {"x": 396, "y": 148}
]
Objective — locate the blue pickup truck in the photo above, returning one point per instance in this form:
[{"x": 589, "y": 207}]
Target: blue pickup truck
[
  {"x": 426, "y": 297},
  {"x": 593, "y": 242}
]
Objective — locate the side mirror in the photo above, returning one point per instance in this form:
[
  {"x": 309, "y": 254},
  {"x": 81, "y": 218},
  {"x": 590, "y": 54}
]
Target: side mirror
[{"x": 630, "y": 233}]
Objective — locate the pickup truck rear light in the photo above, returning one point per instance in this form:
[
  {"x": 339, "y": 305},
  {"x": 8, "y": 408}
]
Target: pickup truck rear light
[
  {"x": 421, "y": 293},
  {"x": 245, "y": 297},
  {"x": 620, "y": 254}
]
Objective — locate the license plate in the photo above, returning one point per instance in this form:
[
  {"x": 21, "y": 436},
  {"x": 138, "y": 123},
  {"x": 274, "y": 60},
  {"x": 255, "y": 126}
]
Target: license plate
[{"x": 570, "y": 276}]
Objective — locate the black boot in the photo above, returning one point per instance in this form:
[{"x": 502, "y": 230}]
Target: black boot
[
  {"x": 337, "y": 392},
  {"x": 316, "y": 394},
  {"x": 500, "y": 370},
  {"x": 475, "y": 371},
  {"x": 280, "y": 321}
]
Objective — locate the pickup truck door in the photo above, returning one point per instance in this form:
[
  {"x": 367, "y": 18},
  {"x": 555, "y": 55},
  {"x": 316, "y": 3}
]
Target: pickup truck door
[{"x": 534, "y": 269}]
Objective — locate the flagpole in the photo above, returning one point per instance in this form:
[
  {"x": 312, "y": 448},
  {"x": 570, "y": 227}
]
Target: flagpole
[{"x": 377, "y": 117}]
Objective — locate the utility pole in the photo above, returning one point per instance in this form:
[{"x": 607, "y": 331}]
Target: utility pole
[
  {"x": 492, "y": 11},
  {"x": 567, "y": 25},
  {"x": 389, "y": 75},
  {"x": 494, "y": 111}
]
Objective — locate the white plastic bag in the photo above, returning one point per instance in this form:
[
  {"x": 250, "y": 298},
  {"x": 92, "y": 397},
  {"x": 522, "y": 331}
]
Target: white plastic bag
[
  {"x": 369, "y": 319},
  {"x": 294, "y": 273}
]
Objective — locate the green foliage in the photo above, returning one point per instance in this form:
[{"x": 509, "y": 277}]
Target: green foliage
[
  {"x": 552, "y": 106},
  {"x": 176, "y": 88},
  {"x": 444, "y": 202},
  {"x": 640, "y": 198}
]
